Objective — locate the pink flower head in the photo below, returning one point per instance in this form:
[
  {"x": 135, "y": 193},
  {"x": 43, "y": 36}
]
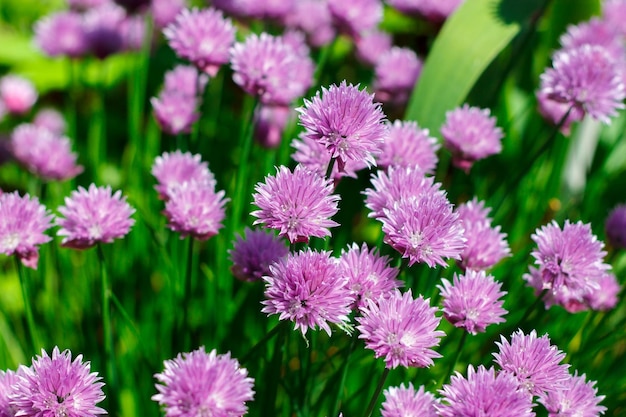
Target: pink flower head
[
  {"x": 372, "y": 45},
  {"x": 57, "y": 386},
  {"x": 346, "y": 121},
  {"x": 299, "y": 204},
  {"x": 175, "y": 113},
  {"x": 615, "y": 227},
  {"x": 395, "y": 75},
  {"x": 569, "y": 260},
  {"x": 614, "y": 14},
  {"x": 7, "y": 380},
  {"x": 595, "y": 31},
  {"x": 269, "y": 124},
  {"x": 62, "y": 33},
  {"x": 314, "y": 19},
  {"x": 587, "y": 79},
  {"x": 309, "y": 289},
  {"x": 470, "y": 134},
  {"x": 401, "y": 329},
  {"x": 201, "y": 36},
  {"x": 172, "y": 169},
  {"x": 164, "y": 12},
  {"x": 484, "y": 393},
  {"x": 407, "y": 145},
  {"x": 369, "y": 275},
  {"x": 17, "y": 93},
  {"x": 433, "y": 10},
  {"x": 84, "y": 5},
  {"x": 195, "y": 209},
  {"x": 486, "y": 246},
  {"x": 44, "y": 153},
  {"x": 103, "y": 26},
  {"x": 253, "y": 254},
  {"x": 356, "y": 16},
  {"x": 605, "y": 297},
  {"x": 92, "y": 216},
  {"x": 554, "y": 111},
  {"x": 50, "y": 119},
  {"x": 133, "y": 31},
  {"x": 472, "y": 301},
  {"x": 267, "y": 9},
  {"x": 535, "y": 363},
  {"x": 272, "y": 69},
  {"x": 23, "y": 222},
  {"x": 406, "y": 401},
  {"x": 424, "y": 229},
  {"x": 576, "y": 397},
  {"x": 397, "y": 184},
  {"x": 185, "y": 80},
  {"x": 197, "y": 383}
]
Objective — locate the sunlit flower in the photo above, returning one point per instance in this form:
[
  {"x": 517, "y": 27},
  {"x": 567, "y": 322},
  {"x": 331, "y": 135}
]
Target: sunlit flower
[
  {"x": 372, "y": 45},
  {"x": 175, "y": 113},
  {"x": 253, "y": 254},
  {"x": 185, "y": 80},
  {"x": 17, "y": 93},
  {"x": 313, "y": 18},
  {"x": 164, "y": 12},
  {"x": 62, "y": 33},
  {"x": 395, "y": 75},
  {"x": 356, "y": 16},
  {"x": 576, "y": 397},
  {"x": 605, "y": 297},
  {"x": 406, "y": 401},
  {"x": 172, "y": 169},
  {"x": 50, "y": 119},
  {"x": 7, "y": 380},
  {"x": 407, "y": 145}
]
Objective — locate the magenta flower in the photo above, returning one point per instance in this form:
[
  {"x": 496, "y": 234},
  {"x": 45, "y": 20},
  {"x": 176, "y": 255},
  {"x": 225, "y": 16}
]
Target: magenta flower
[
  {"x": 50, "y": 119},
  {"x": 346, "y": 121},
  {"x": 535, "y": 363},
  {"x": 570, "y": 261},
  {"x": 175, "y": 113},
  {"x": 164, "y": 12},
  {"x": 484, "y": 393},
  {"x": 372, "y": 45},
  {"x": 253, "y": 254},
  {"x": 470, "y": 134},
  {"x": 433, "y": 10},
  {"x": 199, "y": 383},
  {"x": 267, "y": 9},
  {"x": 576, "y": 397},
  {"x": 44, "y": 153},
  {"x": 369, "y": 274},
  {"x": 615, "y": 227},
  {"x": 203, "y": 37},
  {"x": 595, "y": 31},
  {"x": 62, "y": 34},
  {"x": 195, "y": 209},
  {"x": 401, "y": 329},
  {"x": 84, "y": 5},
  {"x": 486, "y": 246},
  {"x": 93, "y": 216},
  {"x": 356, "y": 16},
  {"x": 395, "y": 75},
  {"x": 185, "y": 80},
  {"x": 605, "y": 297},
  {"x": 269, "y": 124},
  {"x": 172, "y": 169},
  {"x": 406, "y": 401},
  {"x": 424, "y": 229},
  {"x": 314, "y": 19},
  {"x": 406, "y": 145},
  {"x": 299, "y": 204},
  {"x": 18, "y": 94},
  {"x": 309, "y": 289},
  {"x": 7, "y": 380},
  {"x": 554, "y": 111},
  {"x": 472, "y": 301},
  {"x": 23, "y": 222},
  {"x": 57, "y": 386},
  {"x": 614, "y": 12},
  {"x": 271, "y": 68},
  {"x": 103, "y": 27},
  {"x": 588, "y": 79}
]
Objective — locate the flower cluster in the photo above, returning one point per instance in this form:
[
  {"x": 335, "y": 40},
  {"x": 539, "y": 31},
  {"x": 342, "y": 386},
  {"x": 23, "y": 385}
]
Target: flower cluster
[
  {"x": 406, "y": 401},
  {"x": 407, "y": 145},
  {"x": 253, "y": 254}
]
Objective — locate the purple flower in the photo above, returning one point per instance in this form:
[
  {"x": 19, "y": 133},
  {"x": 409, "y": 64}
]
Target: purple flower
[
  {"x": 535, "y": 363},
  {"x": 253, "y": 254},
  {"x": 94, "y": 216},
  {"x": 199, "y": 383},
  {"x": 372, "y": 45},
  {"x": 570, "y": 261},
  {"x": 356, "y": 16},
  {"x": 401, "y": 329},
  {"x": 267, "y": 9},
  {"x": 433, "y": 10},
  {"x": 615, "y": 227},
  {"x": 185, "y": 80},
  {"x": 18, "y": 94},
  {"x": 470, "y": 134},
  {"x": 577, "y": 397},
  {"x": 44, "y": 153},
  {"x": 7, "y": 380},
  {"x": 614, "y": 13},
  {"x": 175, "y": 113},
  {"x": 395, "y": 75},
  {"x": 402, "y": 183},
  {"x": 299, "y": 204},
  {"x": 50, "y": 119},
  {"x": 554, "y": 111},
  {"x": 84, "y": 5},
  {"x": 172, "y": 169},
  {"x": 596, "y": 31},
  {"x": 369, "y": 274},
  {"x": 346, "y": 121},
  {"x": 472, "y": 301},
  {"x": 309, "y": 289},
  {"x": 23, "y": 222},
  {"x": 103, "y": 27},
  {"x": 406, "y": 144},
  {"x": 313, "y": 18},
  {"x": 164, "y": 12},
  {"x": 605, "y": 296},
  {"x": 424, "y": 229},
  {"x": 57, "y": 386},
  {"x": 484, "y": 393},
  {"x": 269, "y": 124},
  {"x": 195, "y": 209},
  {"x": 588, "y": 79},
  {"x": 203, "y": 37},
  {"x": 62, "y": 33},
  {"x": 486, "y": 246},
  {"x": 406, "y": 401},
  {"x": 272, "y": 69}
]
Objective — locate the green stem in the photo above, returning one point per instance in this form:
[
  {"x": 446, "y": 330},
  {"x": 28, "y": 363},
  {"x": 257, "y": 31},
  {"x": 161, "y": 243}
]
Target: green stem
[
  {"x": 32, "y": 328},
  {"x": 109, "y": 352},
  {"x": 262, "y": 342},
  {"x": 379, "y": 388},
  {"x": 185, "y": 335},
  {"x": 344, "y": 373},
  {"x": 457, "y": 355}
]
